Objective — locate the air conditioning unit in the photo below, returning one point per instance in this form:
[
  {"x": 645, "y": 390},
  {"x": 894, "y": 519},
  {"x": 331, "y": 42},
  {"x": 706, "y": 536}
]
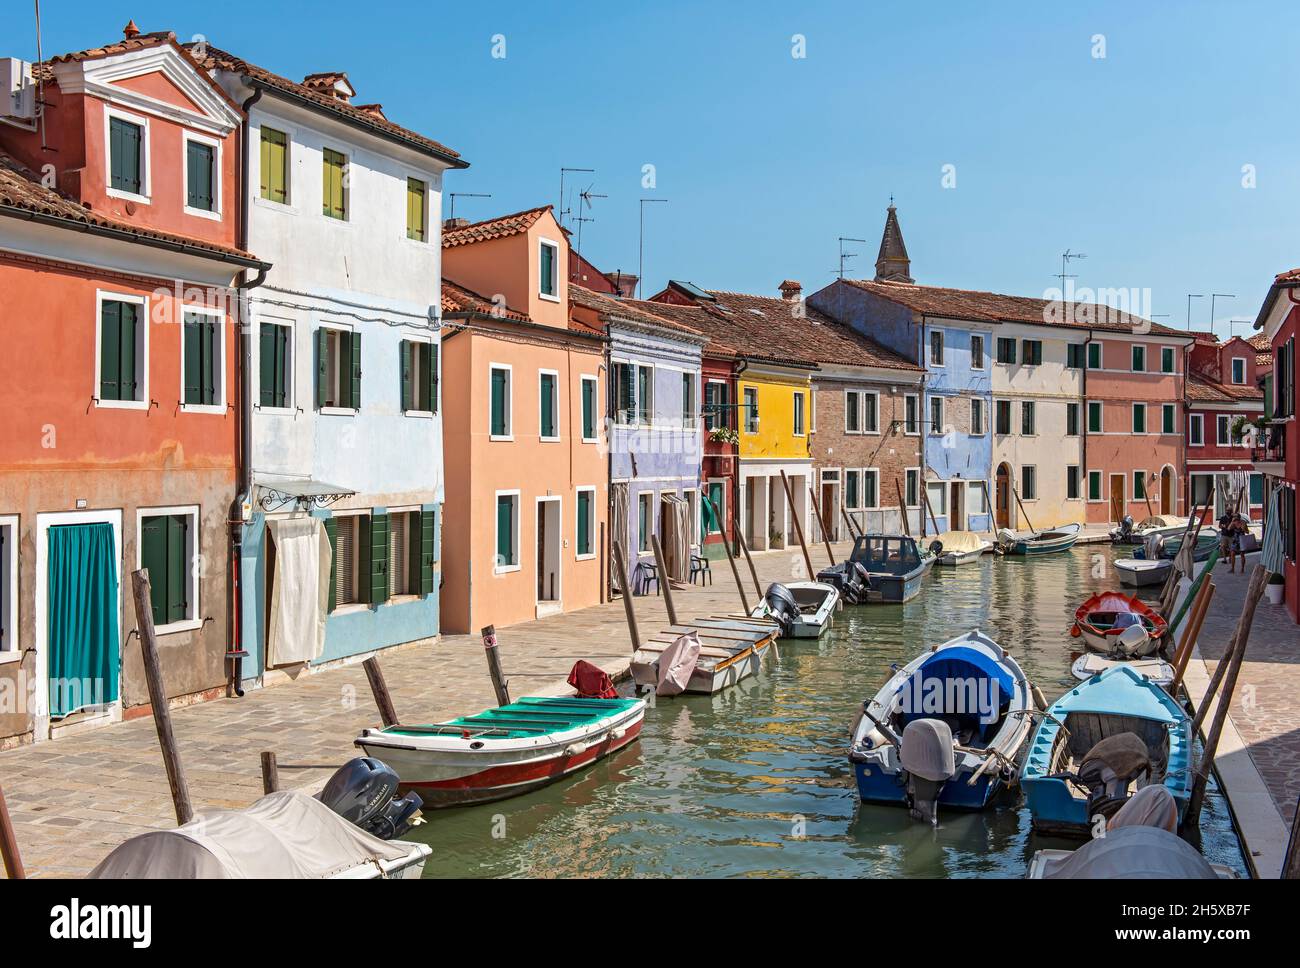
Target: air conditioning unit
[{"x": 17, "y": 92}]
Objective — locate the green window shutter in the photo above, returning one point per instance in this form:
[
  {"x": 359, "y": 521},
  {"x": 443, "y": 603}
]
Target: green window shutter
[
  {"x": 626, "y": 392},
  {"x": 153, "y": 557},
  {"x": 415, "y": 209},
  {"x": 332, "y": 532},
  {"x": 193, "y": 358},
  {"x": 355, "y": 370},
  {"x": 548, "y": 405},
  {"x": 588, "y": 409},
  {"x": 1167, "y": 413},
  {"x": 322, "y": 366},
  {"x": 408, "y": 378},
  {"x": 268, "y": 347},
  {"x": 1139, "y": 420},
  {"x": 584, "y": 524},
  {"x": 505, "y": 530},
  {"x": 547, "y": 270},
  {"x": 199, "y": 175},
  {"x": 1094, "y": 356},
  {"x": 177, "y": 568},
  {"x": 124, "y": 155},
  {"x": 127, "y": 375},
  {"x": 110, "y": 341},
  {"x": 428, "y": 547},
  {"x": 210, "y": 372},
  {"x": 498, "y": 427},
  {"x": 378, "y": 559},
  {"x": 275, "y": 157},
  {"x": 282, "y": 366},
  {"x": 431, "y": 374}
]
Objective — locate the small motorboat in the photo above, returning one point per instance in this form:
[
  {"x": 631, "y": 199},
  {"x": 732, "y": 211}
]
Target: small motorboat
[
  {"x": 1142, "y": 572},
  {"x": 1152, "y": 670},
  {"x": 1128, "y": 853},
  {"x": 1040, "y": 542},
  {"x": 803, "y": 609},
  {"x": 1129, "y": 533},
  {"x": 1102, "y": 619},
  {"x": 505, "y": 751},
  {"x": 960, "y": 548},
  {"x": 1166, "y": 547},
  {"x": 1116, "y": 732},
  {"x": 882, "y": 568},
  {"x": 945, "y": 729}
]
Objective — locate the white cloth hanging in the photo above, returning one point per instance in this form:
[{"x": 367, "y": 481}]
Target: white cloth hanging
[{"x": 295, "y": 627}]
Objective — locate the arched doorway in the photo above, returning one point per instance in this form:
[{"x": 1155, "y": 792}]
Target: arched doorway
[
  {"x": 1167, "y": 491},
  {"x": 1002, "y": 496}
]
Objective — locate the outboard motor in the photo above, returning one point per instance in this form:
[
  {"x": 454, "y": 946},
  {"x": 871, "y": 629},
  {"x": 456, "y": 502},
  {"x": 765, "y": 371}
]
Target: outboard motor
[
  {"x": 364, "y": 792},
  {"x": 1006, "y": 538},
  {"x": 936, "y": 547},
  {"x": 781, "y": 606},
  {"x": 1108, "y": 769},
  {"x": 1125, "y": 535},
  {"x": 926, "y": 753},
  {"x": 1134, "y": 641}
]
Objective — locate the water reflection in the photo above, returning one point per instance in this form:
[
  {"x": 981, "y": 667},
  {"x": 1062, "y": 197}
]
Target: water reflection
[{"x": 754, "y": 781}]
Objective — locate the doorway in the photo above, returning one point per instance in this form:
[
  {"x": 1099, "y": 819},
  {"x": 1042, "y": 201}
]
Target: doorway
[
  {"x": 549, "y": 539},
  {"x": 1167, "y": 491},
  {"x": 1117, "y": 497},
  {"x": 830, "y": 501},
  {"x": 957, "y": 506},
  {"x": 1003, "y": 496}
]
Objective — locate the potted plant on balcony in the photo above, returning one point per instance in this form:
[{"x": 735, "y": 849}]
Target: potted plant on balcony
[
  {"x": 724, "y": 435},
  {"x": 1275, "y": 590}
]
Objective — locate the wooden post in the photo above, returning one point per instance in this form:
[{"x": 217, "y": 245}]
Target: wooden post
[
  {"x": 726, "y": 546},
  {"x": 1254, "y": 592},
  {"x": 1146, "y": 495},
  {"x": 9, "y": 845},
  {"x": 162, "y": 716},
  {"x": 753, "y": 572},
  {"x": 1021, "y": 504},
  {"x": 1193, "y": 628},
  {"x": 623, "y": 579},
  {"x": 379, "y": 689},
  {"x": 489, "y": 633},
  {"x": 664, "y": 579},
  {"x": 826, "y": 537},
  {"x": 270, "y": 772},
  {"x": 798, "y": 528},
  {"x": 853, "y": 529},
  {"x": 902, "y": 506},
  {"x": 604, "y": 571}
]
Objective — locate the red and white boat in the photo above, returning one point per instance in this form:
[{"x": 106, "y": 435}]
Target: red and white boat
[
  {"x": 1103, "y": 618},
  {"x": 505, "y": 751}
]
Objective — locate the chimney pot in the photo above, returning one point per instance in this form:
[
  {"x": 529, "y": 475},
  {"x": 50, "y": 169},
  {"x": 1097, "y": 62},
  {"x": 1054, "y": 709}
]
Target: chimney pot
[
  {"x": 130, "y": 30},
  {"x": 791, "y": 290}
]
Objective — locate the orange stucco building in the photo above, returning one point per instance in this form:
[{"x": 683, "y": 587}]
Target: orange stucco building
[{"x": 524, "y": 433}]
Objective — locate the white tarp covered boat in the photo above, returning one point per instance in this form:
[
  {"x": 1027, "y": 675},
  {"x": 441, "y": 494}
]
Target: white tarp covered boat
[
  {"x": 961, "y": 547},
  {"x": 1128, "y": 853},
  {"x": 283, "y": 835}
]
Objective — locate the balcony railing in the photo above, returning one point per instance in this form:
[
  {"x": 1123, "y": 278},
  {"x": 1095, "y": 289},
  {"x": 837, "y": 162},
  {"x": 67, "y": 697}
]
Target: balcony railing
[{"x": 1270, "y": 446}]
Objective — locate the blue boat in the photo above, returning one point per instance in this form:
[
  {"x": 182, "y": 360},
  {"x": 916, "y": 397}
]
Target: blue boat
[
  {"x": 881, "y": 568},
  {"x": 945, "y": 729},
  {"x": 1113, "y": 734}
]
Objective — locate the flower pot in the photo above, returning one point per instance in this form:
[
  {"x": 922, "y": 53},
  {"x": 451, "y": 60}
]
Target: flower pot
[{"x": 1274, "y": 594}]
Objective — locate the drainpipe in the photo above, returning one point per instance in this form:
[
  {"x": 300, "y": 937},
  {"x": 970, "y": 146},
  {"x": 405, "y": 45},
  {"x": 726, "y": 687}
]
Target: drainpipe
[
  {"x": 921, "y": 418},
  {"x": 1083, "y": 451},
  {"x": 735, "y": 476},
  {"x": 235, "y": 613}
]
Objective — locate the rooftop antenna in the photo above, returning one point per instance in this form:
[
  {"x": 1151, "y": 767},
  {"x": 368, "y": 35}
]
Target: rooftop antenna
[
  {"x": 852, "y": 255},
  {"x": 640, "y": 248},
  {"x": 564, "y": 171},
  {"x": 1190, "y": 297},
  {"x": 1066, "y": 257},
  {"x": 451, "y": 210},
  {"x": 586, "y": 197},
  {"x": 1214, "y": 296},
  {"x": 40, "y": 59},
  {"x": 1232, "y": 326}
]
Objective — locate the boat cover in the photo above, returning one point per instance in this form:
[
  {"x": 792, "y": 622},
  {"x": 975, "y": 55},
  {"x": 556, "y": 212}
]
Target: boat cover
[
  {"x": 1152, "y": 806},
  {"x": 1133, "y": 853},
  {"x": 283, "y": 835},
  {"x": 677, "y": 664},
  {"x": 591, "y": 681},
  {"x": 960, "y": 542},
  {"x": 962, "y": 664},
  {"x": 1160, "y": 521}
]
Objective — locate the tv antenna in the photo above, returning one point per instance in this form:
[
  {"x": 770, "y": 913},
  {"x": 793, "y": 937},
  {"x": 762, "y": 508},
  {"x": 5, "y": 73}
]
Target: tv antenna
[
  {"x": 451, "y": 209},
  {"x": 1066, "y": 258},
  {"x": 586, "y": 197},
  {"x": 640, "y": 248},
  {"x": 1190, "y": 297},
  {"x": 565, "y": 171},
  {"x": 851, "y": 255},
  {"x": 1214, "y": 296}
]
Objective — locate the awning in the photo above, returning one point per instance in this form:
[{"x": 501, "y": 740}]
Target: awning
[{"x": 275, "y": 493}]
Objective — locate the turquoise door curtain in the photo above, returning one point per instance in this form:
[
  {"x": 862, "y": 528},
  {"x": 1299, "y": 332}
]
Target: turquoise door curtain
[{"x": 83, "y": 617}]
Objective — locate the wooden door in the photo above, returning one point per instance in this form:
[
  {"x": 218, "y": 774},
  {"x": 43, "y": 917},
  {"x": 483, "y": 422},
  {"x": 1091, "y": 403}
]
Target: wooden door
[
  {"x": 1003, "y": 496},
  {"x": 1116, "y": 497}
]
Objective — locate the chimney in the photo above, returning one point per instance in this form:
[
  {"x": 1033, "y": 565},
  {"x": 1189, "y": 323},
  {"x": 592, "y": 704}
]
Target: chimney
[
  {"x": 454, "y": 223},
  {"x": 791, "y": 290},
  {"x": 624, "y": 284},
  {"x": 333, "y": 83},
  {"x": 130, "y": 30},
  {"x": 374, "y": 110}
]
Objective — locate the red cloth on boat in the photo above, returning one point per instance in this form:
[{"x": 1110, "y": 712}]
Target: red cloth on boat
[{"x": 591, "y": 681}]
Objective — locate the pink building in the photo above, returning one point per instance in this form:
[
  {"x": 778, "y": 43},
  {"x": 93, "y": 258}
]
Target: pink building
[{"x": 1223, "y": 394}]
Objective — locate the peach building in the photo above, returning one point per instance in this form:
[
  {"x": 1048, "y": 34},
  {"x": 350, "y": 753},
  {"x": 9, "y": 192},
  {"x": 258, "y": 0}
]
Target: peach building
[{"x": 524, "y": 428}]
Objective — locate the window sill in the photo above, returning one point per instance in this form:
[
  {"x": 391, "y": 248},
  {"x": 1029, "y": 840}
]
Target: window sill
[
  {"x": 506, "y": 569},
  {"x": 350, "y": 608},
  {"x": 286, "y": 207},
  {"x": 127, "y": 196},
  {"x": 548, "y": 440},
  {"x": 590, "y": 557},
  {"x": 189, "y": 625},
  {"x": 338, "y": 411},
  {"x": 277, "y": 411},
  {"x": 509, "y": 438},
  {"x": 122, "y": 404},
  {"x": 591, "y": 440},
  {"x": 203, "y": 408},
  {"x": 404, "y": 599},
  {"x": 542, "y": 295},
  {"x": 11, "y": 655},
  {"x": 422, "y": 414},
  {"x": 203, "y": 213}
]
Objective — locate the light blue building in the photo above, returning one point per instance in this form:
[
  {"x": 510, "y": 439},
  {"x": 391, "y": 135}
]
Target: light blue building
[{"x": 955, "y": 408}]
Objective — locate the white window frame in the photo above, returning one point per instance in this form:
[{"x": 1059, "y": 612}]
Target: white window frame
[
  {"x": 977, "y": 403},
  {"x": 255, "y": 157},
  {"x": 11, "y": 646},
  {"x": 973, "y": 364},
  {"x": 194, "y": 552},
  {"x": 543, "y": 242},
  {"x": 217, "y": 193},
  {"x": 1173, "y": 350},
  {"x": 942, "y": 509},
  {"x": 691, "y": 495},
  {"x": 1023, "y": 468},
  {"x": 1196, "y": 430},
  {"x": 929, "y": 417},
  {"x": 1133, "y": 485},
  {"x": 347, "y": 180},
  {"x": 653, "y": 498},
  {"x": 510, "y": 406},
  {"x": 1024, "y": 356},
  {"x": 555, "y": 439},
  {"x": 1101, "y": 497},
  {"x": 219, "y": 318},
  {"x": 142, "y": 356},
  {"x": 415, "y": 174},
  {"x": 862, "y": 493},
  {"x": 289, "y": 381},
  {"x": 425, "y": 339},
  {"x": 1223, "y": 430},
  {"x": 746, "y": 412},
  {"x": 1166, "y": 408},
  {"x": 1033, "y": 411},
  {"x": 691, "y": 415},
  {"x": 799, "y": 414},
  {"x": 583, "y": 380},
  {"x": 929, "y": 349},
  {"x": 853, "y": 404},
  {"x": 146, "y": 166},
  {"x": 359, "y": 605},
  {"x": 591, "y": 526},
  {"x": 1146, "y": 426},
  {"x": 1232, "y": 370},
  {"x": 342, "y": 329},
  {"x": 1087, "y": 417},
  {"x": 920, "y": 482},
  {"x": 862, "y": 416},
  {"x": 497, "y": 567},
  {"x": 1082, "y": 481},
  {"x": 1132, "y": 362},
  {"x": 920, "y": 417},
  {"x": 856, "y": 474}
]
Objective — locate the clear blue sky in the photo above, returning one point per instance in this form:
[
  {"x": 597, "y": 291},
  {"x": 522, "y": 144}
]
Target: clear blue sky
[{"x": 1135, "y": 159}]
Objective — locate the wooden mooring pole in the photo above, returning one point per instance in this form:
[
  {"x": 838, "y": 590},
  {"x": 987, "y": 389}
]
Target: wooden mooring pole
[
  {"x": 665, "y": 580},
  {"x": 753, "y": 572},
  {"x": 162, "y": 716},
  {"x": 9, "y": 845},
  {"x": 1254, "y": 592},
  {"x": 826, "y": 535},
  {"x": 270, "y": 772},
  {"x": 379, "y": 689},
  {"x": 499, "y": 685},
  {"x": 902, "y": 506},
  {"x": 625, "y": 583},
  {"x": 798, "y": 527},
  {"x": 731, "y": 559},
  {"x": 1190, "y": 631}
]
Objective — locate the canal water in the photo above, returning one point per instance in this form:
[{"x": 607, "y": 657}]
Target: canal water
[{"x": 755, "y": 781}]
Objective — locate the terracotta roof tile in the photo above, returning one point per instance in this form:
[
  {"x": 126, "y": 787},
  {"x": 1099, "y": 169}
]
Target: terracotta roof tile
[
  {"x": 494, "y": 228},
  {"x": 20, "y": 189},
  {"x": 608, "y": 306},
  {"x": 458, "y": 299},
  {"x": 1201, "y": 390},
  {"x": 363, "y": 116},
  {"x": 995, "y": 307}
]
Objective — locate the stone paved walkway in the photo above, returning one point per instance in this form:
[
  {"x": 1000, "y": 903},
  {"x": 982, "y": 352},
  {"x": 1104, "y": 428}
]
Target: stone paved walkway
[{"x": 74, "y": 799}]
